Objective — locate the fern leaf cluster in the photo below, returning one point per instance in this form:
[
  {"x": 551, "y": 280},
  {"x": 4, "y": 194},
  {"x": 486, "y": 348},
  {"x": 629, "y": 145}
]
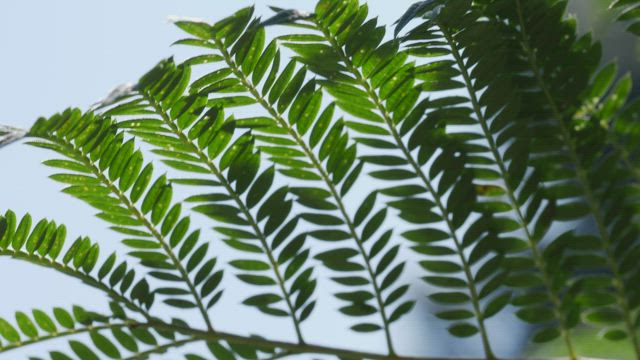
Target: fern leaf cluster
[{"x": 486, "y": 128}]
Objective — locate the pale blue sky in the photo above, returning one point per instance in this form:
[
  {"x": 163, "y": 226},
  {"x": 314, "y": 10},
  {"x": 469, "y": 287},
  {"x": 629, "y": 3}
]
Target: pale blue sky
[{"x": 71, "y": 53}]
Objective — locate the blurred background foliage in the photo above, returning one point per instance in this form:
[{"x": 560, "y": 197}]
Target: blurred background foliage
[
  {"x": 624, "y": 48},
  {"x": 618, "y": 45}
]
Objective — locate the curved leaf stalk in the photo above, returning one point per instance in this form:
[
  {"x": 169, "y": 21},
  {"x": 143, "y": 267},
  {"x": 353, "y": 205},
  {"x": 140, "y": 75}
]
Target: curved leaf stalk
[
  {"x": 323, "y": 174},
  {"x": 122, "y": 197},
  {"x": 281, "y": 355},
  {"x": 510, "y": 192},
  {"x": 287, "y": 347},
  {"x": 65, "y": 333},
  {"x": 204, "y": 158},
  {"x": 424, "y": 178},
  {"x": 84, "y": 277},
  {"x": 592, "y": 201},
  {"x": 161, "y": 349}
]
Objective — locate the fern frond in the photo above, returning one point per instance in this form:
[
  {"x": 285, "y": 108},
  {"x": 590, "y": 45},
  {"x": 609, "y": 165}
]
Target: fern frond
[
  {"x": 207, "y": 148},
  {"x": 43, "y": 245},
  {"x": 107, "y": 173},
  {"x": 240, "y": 44},
  {"x": 481, "y": 69},
  {"x": 587, "y": 183},
  {"x": 377, "y": 84}
]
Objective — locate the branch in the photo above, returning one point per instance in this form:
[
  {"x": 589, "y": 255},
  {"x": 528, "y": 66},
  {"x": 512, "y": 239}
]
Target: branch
[
  {"x": 9, "y": 134},
  {"x": 288, "y": 347},
  {"x": 161, "y": 348}
]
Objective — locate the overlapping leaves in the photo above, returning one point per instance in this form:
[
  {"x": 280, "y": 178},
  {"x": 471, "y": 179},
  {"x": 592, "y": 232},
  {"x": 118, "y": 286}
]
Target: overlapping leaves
[
  {"x": 199, "y": 141},
  {"x": 293, "y": 108},
  {"x": 105, "y": 170},
  {"x": 373, "y": 82}
]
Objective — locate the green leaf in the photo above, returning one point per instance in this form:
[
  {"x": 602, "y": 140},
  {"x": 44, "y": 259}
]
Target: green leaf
[
  {"x": 615, "y": 335},
  {"x": 401, "y": 310},
  {"x": 198, "y": 29},
  {"x": 440, "y": 266},
  {"x": 546, "y": 335},
  {"x": 604, "y": 316},
  {"x": 463, "y": 330},
  {"x": 250, "y": 265},
  {"x": 64, "y": 318},
  {"x": 8, "y": 331},
  {"x": 330, "y": 235},
  {"x": 366, "y": 328},
  {"x": 105, "y": 345},
  {"x": 496, "y": 305},
  {"x": 258, "y": 280},
  {"x": 262, "y": 300},
  {"x": 26, "y": 325},
  {"x": 44, "y": 321},
  {"x": 83, "y": 351}
]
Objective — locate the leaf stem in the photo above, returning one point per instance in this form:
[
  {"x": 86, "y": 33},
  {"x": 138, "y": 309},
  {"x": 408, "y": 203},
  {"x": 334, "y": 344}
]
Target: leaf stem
[
  {"x": 204, "y": 158},
  {"x": 85, "y": 278},
  {"x": 618, "y": 282},
  {"x": 504, "y": 173},
  {"x": 161, "y": 348},
  {"x": 325, "y": 177}
]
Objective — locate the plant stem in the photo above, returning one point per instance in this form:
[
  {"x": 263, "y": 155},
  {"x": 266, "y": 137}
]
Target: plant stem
[
  {"x": 161, "y": 348},
  {"x": 204, "y": 158},
  {"x": 364, "y": 83},
  {"x": 296, "y": 348},
  {"x": 325, "y": 177},
  {"x": 85, "y": 278},
  {"x": 582, "y": 175},
  {"x": 57, "y": 335},
  {"x": 504, "y": 173},
  {"x": 143, "y": 219}
]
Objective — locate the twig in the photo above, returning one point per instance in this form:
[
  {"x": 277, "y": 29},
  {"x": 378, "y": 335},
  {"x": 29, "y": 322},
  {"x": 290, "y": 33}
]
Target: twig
[{"x": 9, "y": 134}]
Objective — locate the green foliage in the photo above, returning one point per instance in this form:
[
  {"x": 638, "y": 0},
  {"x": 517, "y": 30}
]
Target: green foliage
[{"x": 486, "y": 126}]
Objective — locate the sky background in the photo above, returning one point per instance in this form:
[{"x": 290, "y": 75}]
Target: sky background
[{"x": 64, "y": 53}]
